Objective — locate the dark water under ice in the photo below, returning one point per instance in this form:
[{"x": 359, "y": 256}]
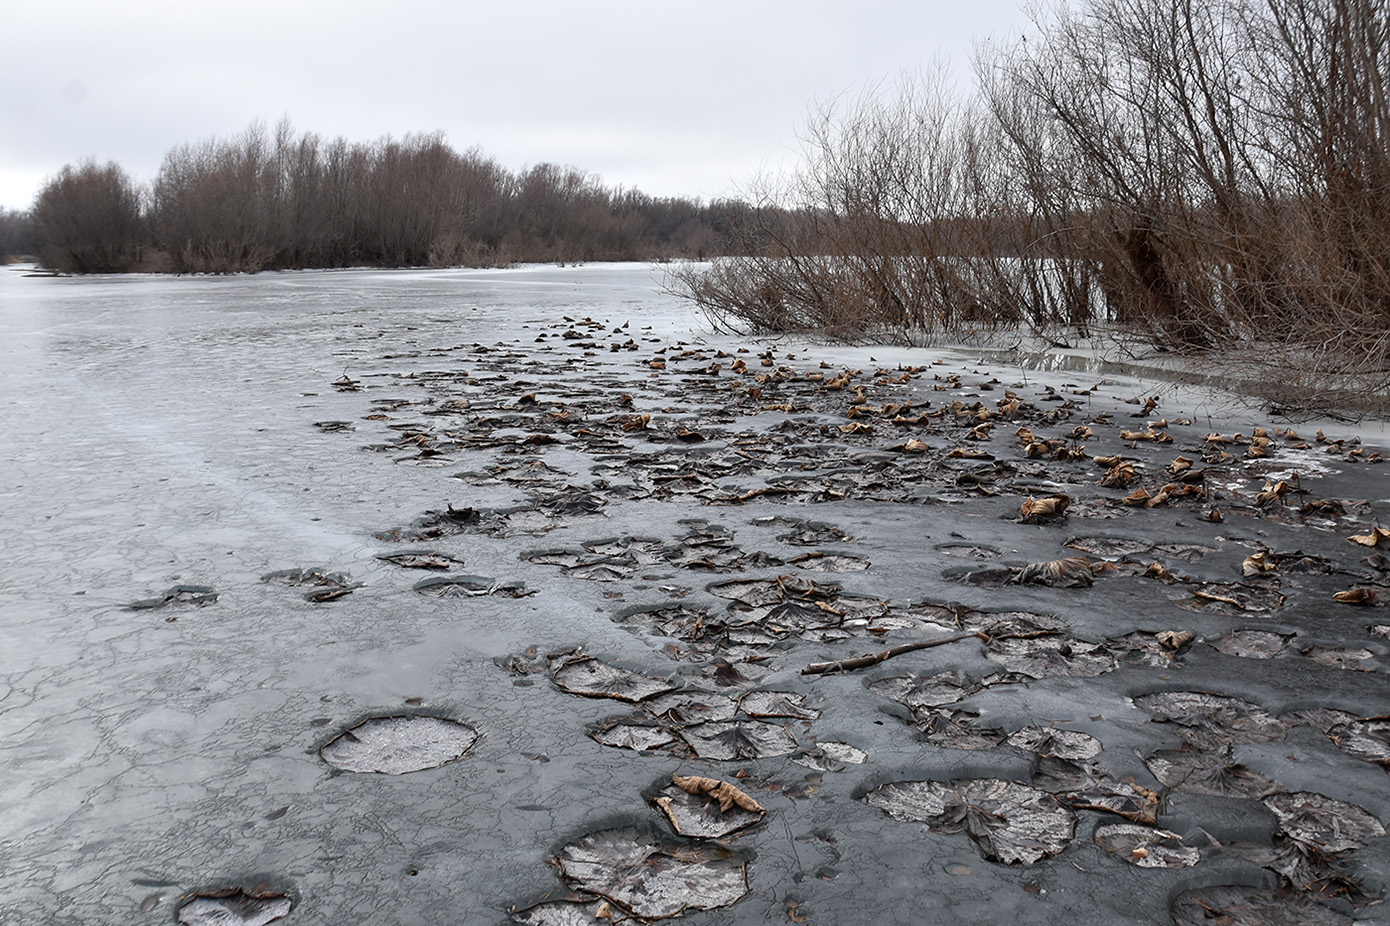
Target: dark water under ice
[{"x": 180, "y": 443}]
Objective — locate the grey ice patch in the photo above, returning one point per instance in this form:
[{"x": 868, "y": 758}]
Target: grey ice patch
[{"x": 397, "y": 745}]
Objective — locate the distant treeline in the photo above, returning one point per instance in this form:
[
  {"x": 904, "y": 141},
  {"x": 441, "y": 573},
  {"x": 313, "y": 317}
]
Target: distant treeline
[{"x": 280, "y": 199}]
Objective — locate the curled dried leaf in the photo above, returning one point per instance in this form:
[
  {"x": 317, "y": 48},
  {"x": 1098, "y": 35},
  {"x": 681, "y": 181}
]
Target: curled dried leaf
[
  {"x": 1272, "y": 493},
  {"x": 1379, "y": 537},
  {"x": 1257, "y": 564},
  {"x": 726, "y": 794},
  {"x": 1071, "y": 572},
  {"x": 1037, "y": 510},
  {"x": 1118, "y": 476},
  {"x": 1175, "y": 639},
  {"x": 1139, "y": 497},
  {"x": 1358, "y": 595}
]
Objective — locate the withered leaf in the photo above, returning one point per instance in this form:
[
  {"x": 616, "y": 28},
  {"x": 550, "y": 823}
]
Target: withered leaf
[
  {"x": 235, "y": 907},
  {"x": 1258, "y": 564},
  {"x": 750, "y": 739},
  {"x": 1009, "y": 822},
  {"x": 1211, "y": 719},
  {"x": 1118, "y": 476},
  {"x": 1145, "y": 846},
  {"x": 1239, "y": 905},
  {"x": 1321, "y": 823},
  {"x": 637, "y": 736},
  {"x": 1251, "y": 644},
  {"x": 591, "y": 678},
  {"x": 1050, "y": 656},
  {"x": 1367, "y": 739},
  {"x": 1038, "y": 510},
  {"x": 777, "y": 704},
  {"x": 1071, "y": 572},
  {"x": 1379, "y": 537},
  {"x": 1207, "y": 773},
  {"x": 1050, "y": 741},
  {"x": 650, "y": 878},
  {"x": 1358, "y": 595},
  {"x": 722, "y": 791},
  {"x": 831, "y": 756}
]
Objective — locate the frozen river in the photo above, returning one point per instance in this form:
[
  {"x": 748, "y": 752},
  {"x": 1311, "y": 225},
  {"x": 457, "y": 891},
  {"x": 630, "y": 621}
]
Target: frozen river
[{"x": 215, "y": 439}]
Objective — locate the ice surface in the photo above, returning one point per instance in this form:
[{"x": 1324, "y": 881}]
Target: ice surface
[{"x": 173, "y": 433}]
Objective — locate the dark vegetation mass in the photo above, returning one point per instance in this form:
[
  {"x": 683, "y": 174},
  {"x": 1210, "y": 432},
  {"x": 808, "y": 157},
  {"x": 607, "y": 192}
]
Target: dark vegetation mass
[
  {"x": 1206, "y": 173},
  {"x": 279, "y": 199}
]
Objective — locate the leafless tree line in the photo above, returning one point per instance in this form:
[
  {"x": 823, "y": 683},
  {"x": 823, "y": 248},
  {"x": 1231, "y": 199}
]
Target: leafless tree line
[
  {"x": 1210, "y": 173},
  {"x": 277, "y": 199}
]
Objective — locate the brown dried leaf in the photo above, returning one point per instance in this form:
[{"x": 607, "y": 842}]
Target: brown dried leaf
[
  {"x": 1071, "y": 572},
  {"x": 727, "y": 795},
  {"x": 1118, "y": 476},
  {"x": 1358, "y": 595},
  {"x": 1257, "y": 564},
  {"x": 1139, "y": 497},
  {"x": 1037, "y": 510},
  {"x": 1175, "y": 639},
  {"x": 1379, "y": 537}
]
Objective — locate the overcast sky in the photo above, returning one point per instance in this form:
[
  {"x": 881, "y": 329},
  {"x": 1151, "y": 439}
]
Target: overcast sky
[{"x": 689, "y": 99}]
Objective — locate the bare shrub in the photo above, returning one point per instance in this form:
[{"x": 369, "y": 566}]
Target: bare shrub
[
  {"x": 87, "y": 220},
  {"x": 1214, "y": 174}
]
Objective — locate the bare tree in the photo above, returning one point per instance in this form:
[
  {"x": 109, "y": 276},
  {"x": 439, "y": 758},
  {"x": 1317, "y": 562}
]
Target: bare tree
[{"x": 87, "y": 220}]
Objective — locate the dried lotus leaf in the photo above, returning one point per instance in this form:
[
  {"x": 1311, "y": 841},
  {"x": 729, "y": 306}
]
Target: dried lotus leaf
[
  {"x": 572, "y": 910},
  {"x": 1210, "y": 719},
  {"x": 827, "y": 757},
  {"x": 1233, "y": 598},
  {"x": 1367, "y": 739},
  {"x": 1038, "y": 510},
  {"x": 1252, "y": 644},
  {"x": 1118, "y": 476},
  {"x": 1174, "y": 639},
  {"x": 423, "y": 559},
  {"x": 1207, "y": 773},
  {"x": 1070, "y": 572},
  {"x": 702, "y": 816},
  {"x": 1379, "y": 538},
  {"x": 1050, "y": 741},
  {"x": 1130, "y": 801},
  {"x": 235, "y": 907},
  {"x": 752, "y": 739},
  {"x": 1145, "y": 846},
  {"x": 590, "y": 678},
  {"x": 1239, "y": 905},
  {"x": 956, "y": 730},
  {"x": 1009, "y": 822},
  {"x": 1322, "y": 823},
  {"x": 1109, "y": 546},
  {"x": 722, "y": 791},
  {"x": 1049, "y": 656},
  {"x": 777, "y": 704},
  {"x": 692, "y": 707},
  {"x": 470, "y": 587},
  {"x": 652, "y": 879},
  {"x": 640, "y": 737},
  {"x": 914, "y": 691},
  {"x": 1138, "y": 498},
  {"x": 1360, "y": 595}
]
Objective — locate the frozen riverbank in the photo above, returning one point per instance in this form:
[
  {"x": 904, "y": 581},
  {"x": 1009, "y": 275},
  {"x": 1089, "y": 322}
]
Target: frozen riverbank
[{"x": 572, "y": 434}]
